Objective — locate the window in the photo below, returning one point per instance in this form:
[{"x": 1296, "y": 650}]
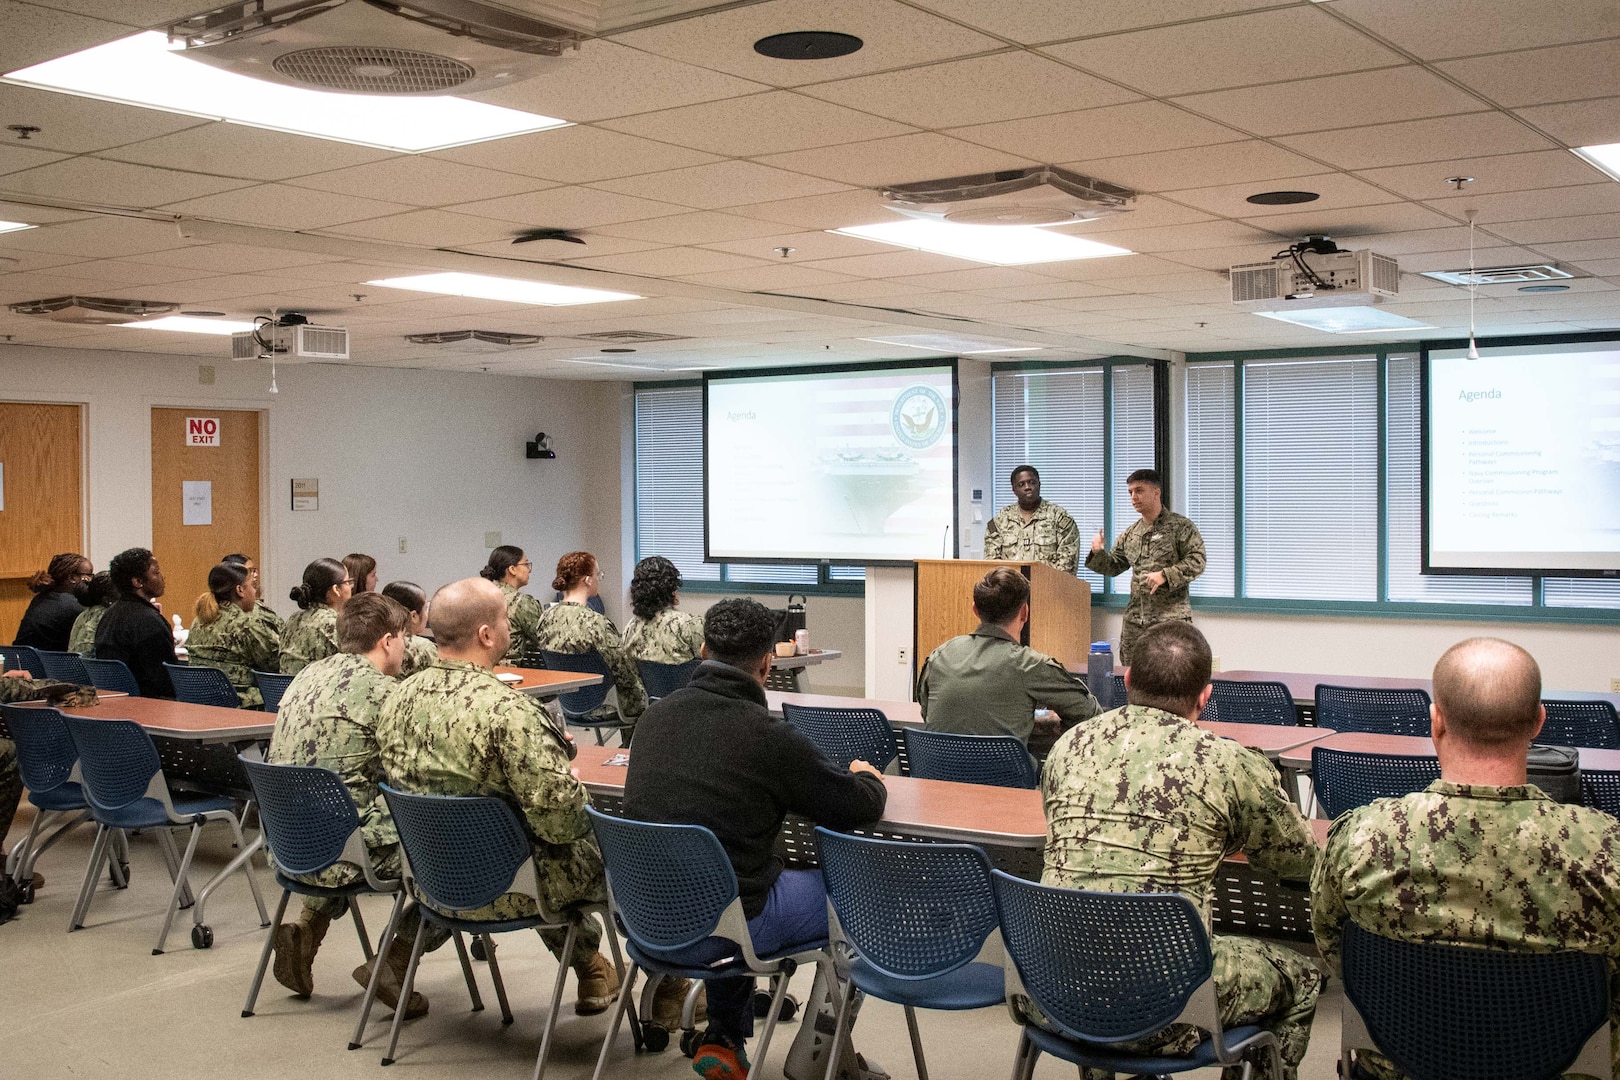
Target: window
[
  {"x": 669, "y": 502},
  {"x": 1210, "y": 487}
]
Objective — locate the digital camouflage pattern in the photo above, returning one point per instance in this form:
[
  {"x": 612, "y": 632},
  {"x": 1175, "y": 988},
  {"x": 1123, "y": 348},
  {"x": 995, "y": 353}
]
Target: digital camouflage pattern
[
  {"x": 1050, "y": 536},
  {"x": 455, "y": 729},
  {"x": 1142, "y": 800},
  {"x": 1172, "y": 544},
  {"x": 523, "y": 612},
  {"x": 670, "y": 637},
  {"x": 238, "y": 644},
  {"x": 310, "y": 635},
  {"x": 575, "y": 628},
  {"x": 986, "y": 683},
  {"x": 1504, "y": 867},
  {"x": 268, "y": 616},
  {"x": 82, "y": 639},
  {"x": 420, "y": 654}
]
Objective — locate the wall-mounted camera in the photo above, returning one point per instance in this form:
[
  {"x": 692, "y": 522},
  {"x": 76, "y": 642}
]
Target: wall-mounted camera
[{"x": 540, "y": 447}]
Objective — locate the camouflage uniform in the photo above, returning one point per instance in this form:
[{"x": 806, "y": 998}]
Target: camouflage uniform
[
  {"x": 310, "y": 635},
  {"x": 1504, "y": 867},
  {"x": 268, "y": 616},
  {"x": 575, "y": 628},
  {"x": 237, "y": 644},
  {"x": 420, "y": 654},
  {"x": 83, "y": 638},
  {"x": 1050, "y": 536},
  {"x": 670, "y": 637},
  {"x": 1171, "y": 544},
  {"x": 455, "y": 729},
  {"x": 523, "y": 612},
  {"x": 1141, "y": 800}
]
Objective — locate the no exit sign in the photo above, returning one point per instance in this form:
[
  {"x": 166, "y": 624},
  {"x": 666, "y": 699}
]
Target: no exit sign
[{"x": 202, "y": 431}]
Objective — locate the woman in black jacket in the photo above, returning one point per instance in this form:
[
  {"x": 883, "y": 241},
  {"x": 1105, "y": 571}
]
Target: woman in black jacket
[
  {"x": 134, "y": 630},
  {"x": 48, "y": 622}
]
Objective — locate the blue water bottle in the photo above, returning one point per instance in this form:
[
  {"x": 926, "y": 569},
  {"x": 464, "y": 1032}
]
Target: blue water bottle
[{"x": 1100, "y": 673}]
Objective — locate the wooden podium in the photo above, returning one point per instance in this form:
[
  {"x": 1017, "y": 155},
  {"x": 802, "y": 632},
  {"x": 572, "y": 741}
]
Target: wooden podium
[{"x": 1059, "y": 607}]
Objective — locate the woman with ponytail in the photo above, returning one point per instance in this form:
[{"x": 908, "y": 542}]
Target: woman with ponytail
[
  {"x": 509, "y": 568},
  {"x": 311, "y": 634},
  {"x": 227, "y": 636},
  {"x": 572, "y": 627},
  {"x": 48, "y": 622},
  {"x": 420, "y": 651}
]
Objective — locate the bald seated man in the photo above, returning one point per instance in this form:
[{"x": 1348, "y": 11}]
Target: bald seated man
[{"x": 1482, "y": 856}]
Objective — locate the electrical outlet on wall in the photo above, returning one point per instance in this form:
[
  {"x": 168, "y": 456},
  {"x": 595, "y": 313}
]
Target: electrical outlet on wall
[
  {"x": 492, "y": 539},
  {"x": 1614, "y": 686},
  {"x": 1214, "y": 661},
  {"x": 402, "y": 545},
  {"x": 905, "y": 655}
]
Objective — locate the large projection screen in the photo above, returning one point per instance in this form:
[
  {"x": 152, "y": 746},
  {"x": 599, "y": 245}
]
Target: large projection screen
[
  {"x": 841, "y": 465},
  {"x": 1521, "y": 459}
]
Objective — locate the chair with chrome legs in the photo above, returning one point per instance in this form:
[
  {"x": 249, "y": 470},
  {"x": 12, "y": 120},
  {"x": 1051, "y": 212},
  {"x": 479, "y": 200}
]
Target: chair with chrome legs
[{"x": 49, "y": 765}]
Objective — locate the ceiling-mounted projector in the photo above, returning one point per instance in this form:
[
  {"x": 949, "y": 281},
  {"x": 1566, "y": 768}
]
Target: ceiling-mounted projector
[
  {"x": 289, "y": 336},
  {"x": 1315, "y": 273},
  {"x": 1043, "y": 195},
  {"x": 373, "y": 47}
]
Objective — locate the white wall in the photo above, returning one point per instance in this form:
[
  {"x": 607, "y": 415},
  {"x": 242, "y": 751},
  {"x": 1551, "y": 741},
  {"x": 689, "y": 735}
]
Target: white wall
[{"x": 435, "y": 457}]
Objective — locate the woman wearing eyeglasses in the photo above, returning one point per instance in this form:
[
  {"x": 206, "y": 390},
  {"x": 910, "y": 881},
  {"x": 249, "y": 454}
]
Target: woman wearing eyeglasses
[
  {"x": 509, "y": 568},
  {"x": 311, "y": 634},
  {"x": 262, "y": 611},
  {"x": 48, "y": 622}
]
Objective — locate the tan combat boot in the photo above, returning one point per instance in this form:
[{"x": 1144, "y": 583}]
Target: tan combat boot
[
  {"x": 394, "y": 962},
  {"x": 296, "y": 945},
  {"x": 598, "y": 983},
  {"x": 670, "y": 997}
]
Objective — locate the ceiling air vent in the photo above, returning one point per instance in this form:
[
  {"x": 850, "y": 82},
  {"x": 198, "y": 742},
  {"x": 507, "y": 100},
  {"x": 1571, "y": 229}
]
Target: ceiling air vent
[
  {"x": 488, "y": 337},
  {"x": 93, "y": 310},
  {"x": 1044, "y": 195},
  {"x": 1499, "y": 275},
  {"x": 629, "y": 337}
]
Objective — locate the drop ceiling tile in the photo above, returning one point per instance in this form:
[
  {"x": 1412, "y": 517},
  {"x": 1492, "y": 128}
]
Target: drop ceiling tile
[
  {"x": 1542, "y": 76},
  {"x": 116, "y": 183},
  {"x": 421, "y": 181},
  {"x": 770, "y": 123},
  {"x": 697, "y": 228},
  {"x": 670, "y": 262},
  {"x": 1203, "y": 166},
  {"x": 1415, "y": 141},
  {"x": 596, "y": 243},
  {"x": 1032, "y": 21},
  {"x": 807, "y": 246},
  {"x": 1335, "y": 101},
  {"x": 1553, "y": 230},
  {"x": 834, "y": 211},
  {"x": 894, "y": 35},
  {"x": 900, "y": 160},
  {"x": 1176, "y": 239},
  {"x": 567, "y": 208},
  {"x": 1140, "y": 127},
  {"x": 99, "y": 238},
  {"x": 1442, "y": 28},
  {"x": 1577, "y": 251},
  {"x": 1492, "y": 175},
  {"x": 721, "y": 184},
  {"x": 1218, "y": 258},
  {"x": 1147, "y": 212},
  {"x": 77, "y": 125},
  {"x": 1527, "y": 205},
  {"x": 605, "y": 79},
  {"x": 1418, "y": 241},
  {"x": 863, "y": 291},
  {"x": 31, "y": 34},
  {"x": 1353, "y": 221},
  {"x": 1577, "y": 123},
  {"x": 1216, "y": 54},
  {"x": 284, "y": 207},
  {"x": 1046, "y": 290},
  {"x": 15, "y": 157},
  {"x": 577, "y": 155},
  {"x": 1105, "y": 270},
  {"x": 771, "y": 278},
  {"x": 127, "y": 272},
  {"x": 222, "y": 149},
  {"x": 427, "y": 228},
  {"x": 980, "y": 90},
  {"x": 892, "y": 264},
  {"x": 1336, "y": 190},
  {"x": 975, "y": 278}
]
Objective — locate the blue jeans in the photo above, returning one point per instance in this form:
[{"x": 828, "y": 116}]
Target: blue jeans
[{"x": 795, "y": 915}]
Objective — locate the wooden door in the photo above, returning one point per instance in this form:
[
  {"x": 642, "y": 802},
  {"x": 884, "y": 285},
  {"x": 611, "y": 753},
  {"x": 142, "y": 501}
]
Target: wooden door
[
  {"x": 41, "y": 497},
  {"x": 230, "y": 466}
]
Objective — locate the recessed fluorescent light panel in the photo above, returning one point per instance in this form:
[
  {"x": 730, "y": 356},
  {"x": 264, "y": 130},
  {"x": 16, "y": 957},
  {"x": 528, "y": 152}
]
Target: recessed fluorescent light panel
[
  {"x": 145, "y": 70},
  {"x": 186, "y": 325},
  {"x": 1605, "y": 157},
  {"x": 998, "y": 245},
  {"x": 1346, "y": 320},
  {"x": 512, "y": 290},
  {"x": 952, "y": 343},
  {"x": 15, "y": 226}
]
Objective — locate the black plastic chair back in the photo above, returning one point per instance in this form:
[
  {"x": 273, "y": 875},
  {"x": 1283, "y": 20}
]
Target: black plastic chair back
[
  {"x": 845, "y": 735},
  {"x": 1234, "y": 702},
  {"x": 24, "y": 658},
  {"x": 662, "y": 680},
  {"x": 1600, "y": 789},
  {"x": 272, "y": 685},
  {"x": 1592, "y": 724},
  {"x": 198, "y": 684},
  {"x": 1346, "y": 779},
  {"x": 112, "y": 676},
  {"x": 995, "y": 760},
  {"x": 65, "y": 667},
  {"x": 1375, "y": 712},
  {"x": 581, "y": 702},
  {"x": 45, "y": 751}
]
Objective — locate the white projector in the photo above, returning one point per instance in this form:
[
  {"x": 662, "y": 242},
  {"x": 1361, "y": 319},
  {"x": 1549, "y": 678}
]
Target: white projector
[
  {"x": 1312, "y": 279},
  {"x": 301, "y": 342}
]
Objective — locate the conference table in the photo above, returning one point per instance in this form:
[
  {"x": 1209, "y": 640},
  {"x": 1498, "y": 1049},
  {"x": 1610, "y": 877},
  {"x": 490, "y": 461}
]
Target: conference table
[{"x": 785, "y": 670}]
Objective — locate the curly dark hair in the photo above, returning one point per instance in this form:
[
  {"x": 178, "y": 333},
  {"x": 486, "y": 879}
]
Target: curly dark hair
[
  {"x": 739, "y": 631},
  {"x": 60, "y": 576},
  {"x": 653, "y": 586},
  {"x": 128, "y": 565}
]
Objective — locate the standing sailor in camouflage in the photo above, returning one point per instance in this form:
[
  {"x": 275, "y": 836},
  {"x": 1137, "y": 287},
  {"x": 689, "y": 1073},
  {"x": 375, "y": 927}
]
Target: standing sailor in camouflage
[
  {"x": 328, "y": 719},
  {"x": 226, "y": 635},
  {"x": 1142, "y": 800},
  {"x": 1481, "y": 857},
  {"x": 311, "y": 634},
  {"x": 419, "y": 651},
  {"x": 572, "y": 627},
  {"x": 509, "y": 568},
  {"x": 455, "y": 729},
  {"x": 660, "y": 631},
  {"x": 1032, "y": 529},
  {"x": 1164, "y": 553}
]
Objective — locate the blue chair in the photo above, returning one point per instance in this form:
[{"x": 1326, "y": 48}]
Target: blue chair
[
  {"x": 579, "y": 704},
  {"x": 1234, "y": 702},
  {"x": 996, "y": 760},
  {"x": 65, "y": 667},
  {"x": 271, "y": 686},
  {"x": 1581, "y": 723},
  {"x": 1600, "y": 789},
  {"x": 462, "y": 853},
  {"x": 674, "y": 893},
  {"x": 111, "y": 675},
  {"x": 911, "y": 922},
  {"x": 662, "y": 680},
  {"x": 1346, "y": 779},
  {"x": 23, "y": 658},
  {"x": 1440, "y": 1010},
  {"x": 124, "y": 785},
  {"x": 48, "y": 764},
  {"x": 1377, "y": 712},
  {"x": 1111, "y": 968},
  {"x": 201, "y": 685},
  {"x": 311, "y": 823},
  {"x": 846, "y": 735}
]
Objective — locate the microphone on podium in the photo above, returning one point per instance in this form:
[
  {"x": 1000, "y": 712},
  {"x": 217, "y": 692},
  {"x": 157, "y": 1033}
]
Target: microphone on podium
[{"x": 945, "y": 543}]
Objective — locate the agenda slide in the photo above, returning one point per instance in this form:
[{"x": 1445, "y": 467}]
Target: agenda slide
[
  {"x": 851, "y": 465},
  {"x": 1522, "y": 458}
]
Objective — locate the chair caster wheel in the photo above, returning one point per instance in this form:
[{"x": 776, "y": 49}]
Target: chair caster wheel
[
  {"x": 689, "y": 1042},
  {"x": 762, "y": 1007},
  {"x": 477, "y": 949},
  {"x": 202, "y": 937},
  {"x": 26, "y": 894},
  {"x": 655, "y": 1038}
]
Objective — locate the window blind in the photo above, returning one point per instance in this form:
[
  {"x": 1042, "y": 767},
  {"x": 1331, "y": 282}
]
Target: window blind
[
  {"x": 1207, "y": 493},
  {"x": 669, "y": 479},
  {"x": 1134, "y": 447}
]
